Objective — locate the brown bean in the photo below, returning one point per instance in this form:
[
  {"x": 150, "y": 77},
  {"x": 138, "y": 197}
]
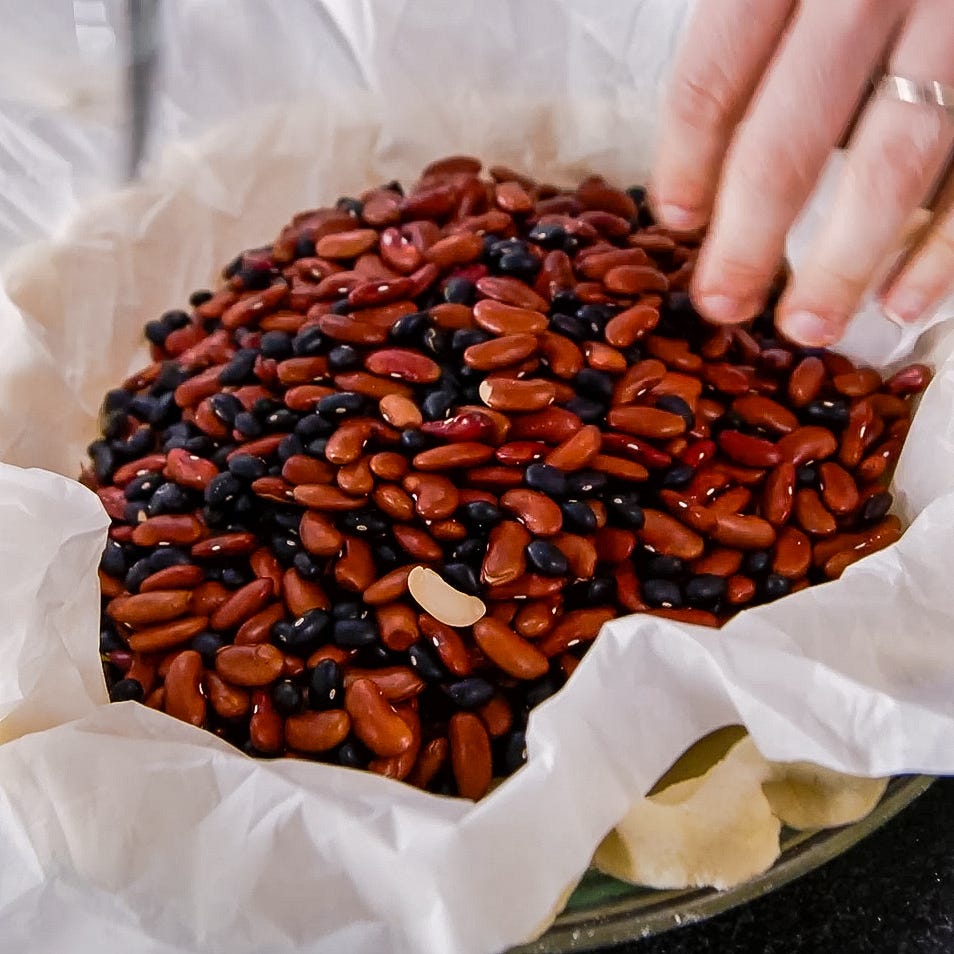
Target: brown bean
[
  {"x": 470, "y": 755},
  {"x": 510, "y": 291},
  {"x": 345, "y": 245},
  {"x": 453, "y": 456},
  {"x": 811, "y": 514},
  {"x": 389, "y": 587},
  {"x": 323, "y": 497},
  {"x": 319, "y": 535},
  {"x": 514, "y": 394},
  {"x": 375, "y": 721},
  {"x": 910, "y": 380},
  {"x": 759, "y": 411},
  {"x": 500, "y": 352},
  {"x": 500, "y": 319},
  {"x": 184, "y": 576},
  {"x": 354, "y": 569},
  {"x": 388, "y": 465},
  {"x": 176, "y": 529},
  {"x": 403, "y": 364},
  {"x": 838, "y": 490},
  {"x": 807, "y": 444},
  {"x": 792, "y": 555},
  {"x": 806, "y": 381},
  {"x": 397, "y": 683},
  {"x": 577, "y": 626},
  {"x": 778, "y": 495},
  {"x": 258, "y": 628},
  {"x": 145, "y": 608},
  {"x": 167, "y": 635},
  {"x": 249, "y": 666},
  {"x": 668, "y": 537},
  {"x": 744, "y": 532},
  {"x": 229, "y": 702},
  {"x": 645, "y": 421},
  {"x": 536, "y": 618},
  {"x": 861, "y": 420},
  {"x": 183, "y": 685},
  {"x": 315, "y": 732},
  {"x": 577, "y": 451},
  {"x": 435, "y": 496},
  {"x": 397, "y": 624},
  {"x": 242, "y": 604},
  {"x": 512, "y": 653},
  {"x": 739, "y": 590},
  {"x": 537, "y": 512},
  {"x": 393, "y": 501},
  {"x": 400, "y": 412},
  {"x": 301, "y": 595},
  {"x": 721, "y": 561},
  {"x": 417, "y": 543},
  {"x": 266, "y": 727}
]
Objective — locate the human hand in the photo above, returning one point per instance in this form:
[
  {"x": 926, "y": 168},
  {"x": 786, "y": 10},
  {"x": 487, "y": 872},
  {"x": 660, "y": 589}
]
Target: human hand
[{"x": 761, "y": 93}]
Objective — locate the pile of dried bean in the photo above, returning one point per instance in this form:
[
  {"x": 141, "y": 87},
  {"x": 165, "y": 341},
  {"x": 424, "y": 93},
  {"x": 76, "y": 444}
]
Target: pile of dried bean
[{"x": 377, "y": 493}]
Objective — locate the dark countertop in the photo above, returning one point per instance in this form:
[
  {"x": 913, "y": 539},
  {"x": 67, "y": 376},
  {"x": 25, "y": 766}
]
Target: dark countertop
[{"x": 893, "y": 893}]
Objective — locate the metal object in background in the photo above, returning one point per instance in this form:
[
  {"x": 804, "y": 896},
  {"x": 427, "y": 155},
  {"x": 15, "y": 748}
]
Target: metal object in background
[{"x": 143, "y": 53}]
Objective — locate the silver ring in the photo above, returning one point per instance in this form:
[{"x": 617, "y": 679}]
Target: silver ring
[{"x": 912, "y": 91}]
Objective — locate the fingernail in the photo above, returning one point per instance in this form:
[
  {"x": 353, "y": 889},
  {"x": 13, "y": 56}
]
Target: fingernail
[
  {"x": 807, "y": 328},
  {"x": 722, "y": 308},
  {"x": 904, "y": 306},
  {"x": 678, "y": 217}
]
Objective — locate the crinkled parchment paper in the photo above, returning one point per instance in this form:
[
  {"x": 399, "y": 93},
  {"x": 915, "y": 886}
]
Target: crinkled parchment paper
[{"x": 122, "y": 830}]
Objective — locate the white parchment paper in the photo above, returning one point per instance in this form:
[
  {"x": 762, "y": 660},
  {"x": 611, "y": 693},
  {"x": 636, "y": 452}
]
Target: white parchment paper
[{"x": 122, "y": 830}]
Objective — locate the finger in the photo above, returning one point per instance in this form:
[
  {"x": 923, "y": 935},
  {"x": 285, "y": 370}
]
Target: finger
[
  {"x": 928, "y": 274},
  {"x": 716, "y": 72},
  {"x": 808, "y": 97},
  {"x": 895, "y": 157}
]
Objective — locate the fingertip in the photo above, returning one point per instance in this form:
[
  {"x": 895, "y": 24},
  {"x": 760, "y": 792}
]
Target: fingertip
[
  {"x": 723, "y": 309},
  {"x": 808, "y": 329},
  {"x": 679, "y": 217}
]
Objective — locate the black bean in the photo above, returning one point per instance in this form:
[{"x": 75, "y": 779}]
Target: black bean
[
  {"x": 247, "y": 467},
  {"x": 425, "y": 662},
  {"x": 156, "y": 333},
  {"x": 169, "y": 498},
  {"x": 308, "y": 343},
  {"x": 775, "y": 586},
  {"x": 832, "y": 413},
  {"x": 625, "y": 510},
  {"x": 140, "y": 406},
  {"x": 137, "y": 445},
  {"x": 343, "y": 358},
  {"x": 462, "y": 577},
  {"x": 437, "y": 403},
  {"x": 460, "y": 291},
  {"x": 199, "y": 297},
  {"x": 171, "y": 375},
  {"x": 240, "y": 367},
  {"x": 540, "y": 690},
  {"x": 601, "y": 589},
  {"x": 352, "y": 754},
  {"x": 164, "y": 557},
  {"x": 366, "y": 523},
  {"x": 335, "y": 407},
  {"x": 255, "y": 279},
  {"x": 637, "y": 194},
  {"x": 309, "y": 628},
  {"x": 353, "y": 207},
  {"x": 757, "y": 563},
  {"x": 469, "y": 693},
  {"x": 548, "y": 480},
  {"x": 235, "y": 578},
  {"x": 578, "y": 517},
  {"x": 568, "y": 325},
  {"x": 662, "y": 593},
  {"x": 436, "y": 343},
  {"x": 351, "y": 633},
  {"x": 666, "y": 567},
  {"x": 597, "y": 385},
  {"x": 349, "y": 609},
  {"x": 587, "y": 410},
  {"x": 276, "y": 344},
  {"x": 341, "y": 307},
  {"x": 306, "y": 566},
  {"x": 470, "y": 551},
  {"x": 585, "y": 482},
  {"x": 552, "y": 235},
  {"x": 481, "y": 513},
  {"x": 248, "y": 425},
  {"x": 514, "y": 750},
  {"x": 304, "y": 247},
  {"x": 464, "y": 338},
  {"x": 175, "y": 319},
  {"x": 222, "y": 489},
  {"x": 705, "y": 590},
  {"x": 678, "y": 475},
  {"x": 595, "y": 317},
  {"x": 676, "y": 405},
  {"x": 109, "y": 641},
  {"x": 225, "y": 407},
  {"x": 876, "y": 507},
  {"x": 125, "y": 690},
  {"x": 113, "y": 560},
  {"x": 564, "y": 302},
  {"x": 207, "y": 644},
  {"x": 547, "y": 558},
  {"x": 286, "y": 698},
  {"x": 407, "y": 330},
  {"x": 142, "y": 487},
  {"x": 807, "y": 475},
  {"x": 325, "y": 686}
]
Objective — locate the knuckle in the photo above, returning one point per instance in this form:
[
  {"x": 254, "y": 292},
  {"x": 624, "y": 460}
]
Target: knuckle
[
  {"x": 773, "y": 167},
  {"x": 905, "y": 159},
  {"x": 701, "y": 99}
]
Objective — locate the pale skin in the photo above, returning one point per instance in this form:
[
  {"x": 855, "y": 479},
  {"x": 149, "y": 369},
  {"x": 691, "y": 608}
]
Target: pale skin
[{"x": 761, "y": 93}]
